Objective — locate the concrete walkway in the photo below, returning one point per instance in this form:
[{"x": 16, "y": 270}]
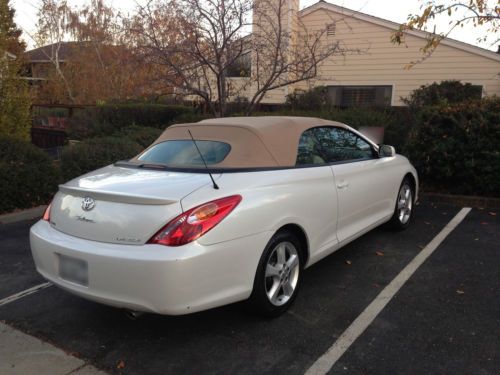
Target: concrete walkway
[{"x": 22, "y": 354}]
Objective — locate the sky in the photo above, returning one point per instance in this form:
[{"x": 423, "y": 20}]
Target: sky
[{"x": 393, "y": 10}]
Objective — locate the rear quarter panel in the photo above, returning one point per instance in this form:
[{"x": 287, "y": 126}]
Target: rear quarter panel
[{"x": 304, "y": 196}]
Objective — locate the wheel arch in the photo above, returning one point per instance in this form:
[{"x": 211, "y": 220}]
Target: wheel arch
[
  {"x": 301, "y": 235},
  {"x": 414, "y": 184}
]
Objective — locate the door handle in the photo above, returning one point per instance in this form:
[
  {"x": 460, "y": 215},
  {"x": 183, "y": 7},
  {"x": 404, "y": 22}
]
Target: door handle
[{"x": 343, "y": 184}]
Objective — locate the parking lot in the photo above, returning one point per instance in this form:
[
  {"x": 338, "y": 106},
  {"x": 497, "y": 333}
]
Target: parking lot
[{"x": 444, "y": 319}]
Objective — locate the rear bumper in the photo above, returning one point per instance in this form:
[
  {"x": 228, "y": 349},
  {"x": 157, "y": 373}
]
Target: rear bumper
[{"x": 153, "y": 278}]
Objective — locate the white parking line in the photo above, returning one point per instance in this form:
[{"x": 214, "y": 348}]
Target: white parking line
[
  {"x": 324, "y": 363},
  {"x": 24, "y": 293}
]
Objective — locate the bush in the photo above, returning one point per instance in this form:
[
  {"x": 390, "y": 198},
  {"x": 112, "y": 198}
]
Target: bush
[
  {"x": 107, "y": 119},
  {"x": 455, "y": 147},
  {"x": 313, "y": 99},
  {"x": 95, "y": 153},
  {"x": 28, "y": 177},
  {"x": 445, "y": 92},
  {"x": 141, "y": 135}
]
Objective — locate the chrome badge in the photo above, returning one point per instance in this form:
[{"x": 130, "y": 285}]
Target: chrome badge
[{"x": 88, "y": 204}]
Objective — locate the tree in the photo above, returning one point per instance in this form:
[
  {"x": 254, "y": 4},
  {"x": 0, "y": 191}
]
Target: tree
[
  {"x": 15, "y": 100},
  {"x": 484, "y": 13},
  {"x": 52, "y": 29},
  {"x": 196, "y": 43},
  {"x": 97, "y": 66},
  {"x": 9, "y": 30}
]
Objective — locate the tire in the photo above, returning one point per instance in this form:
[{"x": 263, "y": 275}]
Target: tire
[
  {"x": 276, "y": 287},
  {"x": 404, "y": 207}
]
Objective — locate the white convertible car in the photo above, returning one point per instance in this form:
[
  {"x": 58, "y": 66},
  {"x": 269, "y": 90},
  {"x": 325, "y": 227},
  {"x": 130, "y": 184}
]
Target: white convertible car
[{"x": 220, "y": 211}]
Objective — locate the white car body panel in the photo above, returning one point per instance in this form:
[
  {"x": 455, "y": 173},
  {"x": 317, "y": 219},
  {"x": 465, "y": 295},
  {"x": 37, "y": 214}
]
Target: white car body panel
[{"x": 331, "y": 204}]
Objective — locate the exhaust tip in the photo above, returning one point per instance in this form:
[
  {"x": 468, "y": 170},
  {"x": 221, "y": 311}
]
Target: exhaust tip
[{"x": 133, "y": 315}]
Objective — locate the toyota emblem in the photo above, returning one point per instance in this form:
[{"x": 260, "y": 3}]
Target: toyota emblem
[{"x": 88, "y": 204}]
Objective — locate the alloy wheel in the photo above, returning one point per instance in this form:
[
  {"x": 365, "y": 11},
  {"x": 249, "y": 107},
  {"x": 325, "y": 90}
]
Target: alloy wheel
[
  {"x": 405, "y": 203},
  {"x": 282, "y": 273}
]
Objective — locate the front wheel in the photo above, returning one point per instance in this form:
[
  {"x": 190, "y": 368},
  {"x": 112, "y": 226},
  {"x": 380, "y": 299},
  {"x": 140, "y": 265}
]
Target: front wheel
[
  {"x": 278, "y": 275},
  {"x": 403, "y": 212}
]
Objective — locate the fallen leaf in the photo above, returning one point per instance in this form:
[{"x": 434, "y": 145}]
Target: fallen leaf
[
  {"x": 493, "y": 213},
  {"x": 121, "y": 364},
  {"x": 379, "y": 253},
  {"x": 484, "y": 223},
  {"x": 460, "y": 291},
  {"x": 348, "y": 262},
  {"x": 376, "y": 285}
]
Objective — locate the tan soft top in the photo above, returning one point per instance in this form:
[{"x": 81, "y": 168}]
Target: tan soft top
[{"x": 266, "y": 141}]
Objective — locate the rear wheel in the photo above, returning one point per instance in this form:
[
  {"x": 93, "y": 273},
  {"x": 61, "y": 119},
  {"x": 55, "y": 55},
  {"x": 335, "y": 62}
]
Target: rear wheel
[
  {"x": 403, "y": 212},
  {"x": 278, "y": 275}
]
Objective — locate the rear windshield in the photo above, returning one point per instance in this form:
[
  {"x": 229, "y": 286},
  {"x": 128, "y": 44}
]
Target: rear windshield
[{"x": 184, "y": 153}]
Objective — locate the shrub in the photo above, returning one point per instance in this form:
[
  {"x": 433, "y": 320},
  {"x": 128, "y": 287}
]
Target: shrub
[
  {"x": 455, "y": 147},
  {"x": 95, "y": 153},
  {"x": 28, "y": 176},
  {"x": 106, "y": 119},
  {"x": 445, "y": 92},
  {"x": 141, "y": 135},
  {"x": 313, "y": 99}
]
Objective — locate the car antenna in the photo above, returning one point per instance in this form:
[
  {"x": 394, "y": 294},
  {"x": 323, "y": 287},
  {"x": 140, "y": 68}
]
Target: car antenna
[{"x": 203, "y": 159}]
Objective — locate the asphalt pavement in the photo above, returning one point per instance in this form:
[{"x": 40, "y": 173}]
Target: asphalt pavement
[{"x": 445, "y": 319}]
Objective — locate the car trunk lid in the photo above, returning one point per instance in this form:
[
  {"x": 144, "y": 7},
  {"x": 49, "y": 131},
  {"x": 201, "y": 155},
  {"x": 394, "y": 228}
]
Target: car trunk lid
[{"x": 121, "y": 205}]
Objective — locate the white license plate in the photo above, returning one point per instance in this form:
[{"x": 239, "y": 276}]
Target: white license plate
[{"x": 73, "y": 270}]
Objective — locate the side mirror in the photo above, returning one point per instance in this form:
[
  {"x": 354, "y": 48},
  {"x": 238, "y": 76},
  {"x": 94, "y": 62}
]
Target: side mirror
[{"x": 385, "y": 151}]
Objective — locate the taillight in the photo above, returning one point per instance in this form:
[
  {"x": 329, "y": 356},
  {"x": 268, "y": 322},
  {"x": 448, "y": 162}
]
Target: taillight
[
  {"x": 195, "y": 222},
  {"x": 46, "y": 214}
]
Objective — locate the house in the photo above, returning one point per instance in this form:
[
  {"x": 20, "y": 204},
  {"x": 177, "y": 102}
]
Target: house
[
  {"x": 40, "y": 61},
  {"x": 378, "y": 74}
]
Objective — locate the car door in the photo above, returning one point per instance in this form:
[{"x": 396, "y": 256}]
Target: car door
[
  {"x": 322, "y": 195},
  {"x": 362, "y": 188}
]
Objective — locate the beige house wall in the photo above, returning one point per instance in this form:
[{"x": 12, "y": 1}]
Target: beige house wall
[{"x": 380, "y": 62}]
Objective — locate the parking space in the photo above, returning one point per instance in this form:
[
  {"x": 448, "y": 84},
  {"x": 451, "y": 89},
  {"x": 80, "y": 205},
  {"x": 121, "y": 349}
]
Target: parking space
[{"x": 443, "y": 320}]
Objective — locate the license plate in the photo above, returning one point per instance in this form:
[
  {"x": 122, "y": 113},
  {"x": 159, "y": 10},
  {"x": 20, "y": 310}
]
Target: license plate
[{"x": 73, "y": 270}]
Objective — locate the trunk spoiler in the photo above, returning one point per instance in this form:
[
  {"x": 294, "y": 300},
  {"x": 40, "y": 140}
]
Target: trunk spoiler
[{"x": 115, "y": 196}]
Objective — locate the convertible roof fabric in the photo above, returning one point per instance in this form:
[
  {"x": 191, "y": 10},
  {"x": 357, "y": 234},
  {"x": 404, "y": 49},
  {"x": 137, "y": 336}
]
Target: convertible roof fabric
[{"x": 266, "y": 141}]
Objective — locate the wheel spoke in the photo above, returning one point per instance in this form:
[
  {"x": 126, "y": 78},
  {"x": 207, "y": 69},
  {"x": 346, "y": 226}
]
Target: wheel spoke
[
  {"x": 274, "y": 293},
  {"x": 401, "y": 204},
  {"x": 292, "y": 262},
  {"x": 281, "y": 253},
  {"x": 288, "y": 288},
  {"x": 272, "y": 271},
  {"x": 407, "y": 194}
]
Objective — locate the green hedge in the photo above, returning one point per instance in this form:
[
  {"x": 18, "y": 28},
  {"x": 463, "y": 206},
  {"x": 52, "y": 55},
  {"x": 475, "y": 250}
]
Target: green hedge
[
  {"x": 141, "y": 135},
  {"x": 95, "y": 153},
  {"x": 455, "y": 148},
  {"x": 28, "y": 177},
  {"x": 442, "y": 93},
  {"x": 107, "y": 119}
]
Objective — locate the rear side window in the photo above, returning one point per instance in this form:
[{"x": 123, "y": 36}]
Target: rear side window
[
  {"x": 184, "y": 153},
  {"x": 309, "y": 152}
]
